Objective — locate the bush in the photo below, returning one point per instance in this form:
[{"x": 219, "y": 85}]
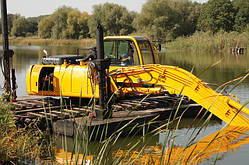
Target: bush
[{"x": 17, "y": 144}]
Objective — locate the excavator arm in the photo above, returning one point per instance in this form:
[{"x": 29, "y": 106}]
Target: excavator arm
[{"x": 179, "y": 81}]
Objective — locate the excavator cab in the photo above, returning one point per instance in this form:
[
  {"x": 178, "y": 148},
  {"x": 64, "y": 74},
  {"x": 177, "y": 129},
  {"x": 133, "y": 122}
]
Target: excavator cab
[{"x": 128, "y": 51}]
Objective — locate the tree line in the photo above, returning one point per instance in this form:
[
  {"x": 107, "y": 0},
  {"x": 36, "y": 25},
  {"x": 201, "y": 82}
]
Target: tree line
[{"x": 162, "y": 20}]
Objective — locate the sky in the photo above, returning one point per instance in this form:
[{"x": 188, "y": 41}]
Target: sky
[{"x": 33, "y": 8}]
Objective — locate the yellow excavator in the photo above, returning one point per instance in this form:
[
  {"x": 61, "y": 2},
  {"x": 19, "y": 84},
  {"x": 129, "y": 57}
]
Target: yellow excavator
[{"x": 131, "y": 66}]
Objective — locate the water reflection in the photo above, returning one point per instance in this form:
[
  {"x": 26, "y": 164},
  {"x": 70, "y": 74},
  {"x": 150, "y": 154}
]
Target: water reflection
[
  {"x": 182, "y": 146},
  {"x": 63, "y": 157},
  {"x": 217, "y": 144}
]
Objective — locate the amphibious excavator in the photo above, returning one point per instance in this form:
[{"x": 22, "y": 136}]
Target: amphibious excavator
[{"x": 131, "y": 68}]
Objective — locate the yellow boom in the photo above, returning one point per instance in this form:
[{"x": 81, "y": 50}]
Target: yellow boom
[{"x": 180, "y": 81}]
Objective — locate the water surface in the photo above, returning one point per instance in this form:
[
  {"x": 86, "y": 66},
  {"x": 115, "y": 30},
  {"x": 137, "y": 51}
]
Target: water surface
[{"x": 227, "y": 68}]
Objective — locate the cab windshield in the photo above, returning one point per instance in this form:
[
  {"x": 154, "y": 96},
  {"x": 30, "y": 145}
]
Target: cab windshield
[{"x": 121, "y": 52}]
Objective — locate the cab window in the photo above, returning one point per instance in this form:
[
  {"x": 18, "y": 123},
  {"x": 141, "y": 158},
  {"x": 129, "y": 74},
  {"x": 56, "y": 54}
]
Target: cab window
[
  {"x": 121, "y": 52},
  {"x": 146, "y": 52}
]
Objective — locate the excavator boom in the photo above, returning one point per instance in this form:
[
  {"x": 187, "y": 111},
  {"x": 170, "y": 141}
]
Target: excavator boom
[{"x": 179, "y": 81}]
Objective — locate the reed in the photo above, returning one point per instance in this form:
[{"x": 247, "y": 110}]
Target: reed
[
  {"x": 137, "y": 151},
  {"x": 208, "y": 42},
  {"x": 14, "y": 144},
  {"x": 19, "y": 145}
]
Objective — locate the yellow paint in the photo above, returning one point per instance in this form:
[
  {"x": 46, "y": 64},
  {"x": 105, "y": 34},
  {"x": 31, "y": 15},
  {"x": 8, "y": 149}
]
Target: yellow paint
[{"x": 63, "y": 83}]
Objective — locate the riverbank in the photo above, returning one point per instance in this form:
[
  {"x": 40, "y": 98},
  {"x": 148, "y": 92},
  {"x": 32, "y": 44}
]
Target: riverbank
[
  {"x": 34, "y": 41},
  {"x": 221, "y": 42}
]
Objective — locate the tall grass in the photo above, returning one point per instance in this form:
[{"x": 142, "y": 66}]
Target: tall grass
[
  {"x": 136, "y": 151},
  {"x": 209, "y": 42},
  {"x": 108, "y": 149},
  {"x": 19, "y": 144}
]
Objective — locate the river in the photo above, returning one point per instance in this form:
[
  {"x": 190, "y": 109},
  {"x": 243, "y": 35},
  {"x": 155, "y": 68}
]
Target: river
[{"x": 227, "y": 68}]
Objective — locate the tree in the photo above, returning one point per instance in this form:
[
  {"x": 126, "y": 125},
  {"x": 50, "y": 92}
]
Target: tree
[
  {"x": 157, "y": 19},
  {"x": 45, "y": 27},
  {"x": 73, "y": 27},
  {"x": 83, "y": 22},
  {"x": 20, "y": 27},
  {"x": 115, "y": 19},
  {"x": 242, "y": 14},
  {"x": 32, "y": 25},
  {"x": 64, "y": 23},
  {"x": 216, "y": 15},
  {"x": 77, "y": 24},
  {"x": 167, "y": 19},
  {"x": 189, "y": 13},
  {"x": 55, "y": 25},
  {"x": 59, "y": 30},
  {"x": 10, "y": 19}
]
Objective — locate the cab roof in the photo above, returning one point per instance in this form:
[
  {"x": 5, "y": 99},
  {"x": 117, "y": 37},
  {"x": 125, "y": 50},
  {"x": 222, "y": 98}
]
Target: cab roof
[{"x": 137, "y": 38}]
